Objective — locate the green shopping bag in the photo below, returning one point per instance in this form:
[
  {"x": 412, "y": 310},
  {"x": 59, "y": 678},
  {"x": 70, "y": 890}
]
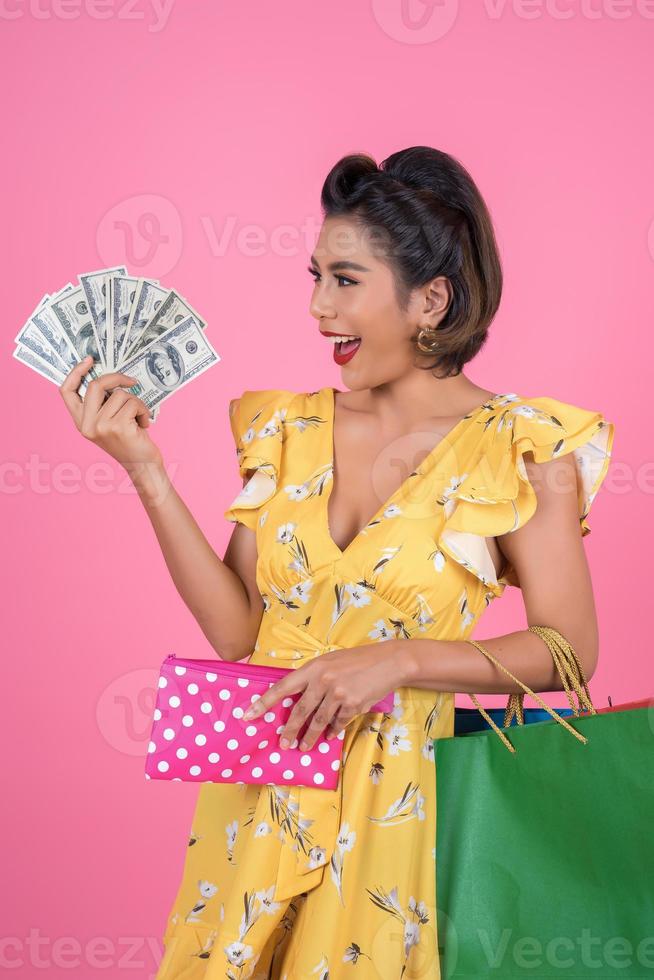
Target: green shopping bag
[{"x": 545, "y": 854}]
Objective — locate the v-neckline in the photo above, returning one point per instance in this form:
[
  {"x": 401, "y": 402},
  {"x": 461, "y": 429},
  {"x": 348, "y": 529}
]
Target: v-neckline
[{"x": 446, "y": 439}]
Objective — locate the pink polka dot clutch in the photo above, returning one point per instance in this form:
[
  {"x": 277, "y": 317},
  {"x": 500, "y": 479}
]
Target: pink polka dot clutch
[{"x": 199, "y": 734}]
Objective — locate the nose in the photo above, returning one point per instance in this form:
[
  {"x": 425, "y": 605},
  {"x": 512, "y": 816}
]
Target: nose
[{"x": 319, "y": 307}]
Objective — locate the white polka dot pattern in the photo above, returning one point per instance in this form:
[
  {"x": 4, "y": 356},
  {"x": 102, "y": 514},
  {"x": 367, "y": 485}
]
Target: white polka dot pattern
[{"x": 199, "y": 733}]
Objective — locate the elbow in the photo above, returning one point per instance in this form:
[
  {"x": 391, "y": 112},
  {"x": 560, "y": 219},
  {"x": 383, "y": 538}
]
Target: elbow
[
  {"x": 588, "y": 660},
  {"x": 587, "y": 654}
]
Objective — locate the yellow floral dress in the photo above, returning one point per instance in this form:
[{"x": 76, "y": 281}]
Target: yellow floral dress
[{"x": 298, "y": 883}]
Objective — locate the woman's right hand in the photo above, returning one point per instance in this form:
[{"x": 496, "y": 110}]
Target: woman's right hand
[{"x": 118, "y": 425}]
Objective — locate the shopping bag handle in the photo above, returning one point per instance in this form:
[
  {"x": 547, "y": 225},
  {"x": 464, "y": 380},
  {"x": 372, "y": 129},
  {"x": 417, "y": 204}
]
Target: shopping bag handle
[{"x": 572, "y": 676}]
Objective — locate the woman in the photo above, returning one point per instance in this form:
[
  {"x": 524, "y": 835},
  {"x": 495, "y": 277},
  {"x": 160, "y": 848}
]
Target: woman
[{"x": 365, "y": 580}]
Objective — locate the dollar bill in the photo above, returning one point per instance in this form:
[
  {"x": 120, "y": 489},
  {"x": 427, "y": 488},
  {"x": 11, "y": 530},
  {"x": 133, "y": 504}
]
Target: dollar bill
[
  {"x": 72, "y": 311},
  {"x": 174, "y": 359},
  {"x": 94, "y": 285},
  {"x": 149, "y": 297},
  {"x": 33, "y": 361},
  {"x": 123, "y": 291},
  {"x": 27, "y": 356},
  {"x": 173, "y": 310},
  {"x": 44, "y": 336}
]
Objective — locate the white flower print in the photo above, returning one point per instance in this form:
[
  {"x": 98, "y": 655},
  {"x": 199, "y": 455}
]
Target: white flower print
[
  {"x": 248, "y": 490},
  {"x": 207, "y": 890},
  {"x": 317, "y": 856},
  {"x": 507, "y": 398},
  {"x": 344, "y": 843},
  {"x": 398, "y": 707},
  {"x": 231, "y": 830},
  {"x": 438, "y": 559},
  {"x": 467, "y": 616},
  {"x": 262, "y": 829},
  {"x": 376, "y": 769},
  {"x": 299, "y": 558},
  {"x": 297, "y": 491},
  {"x": 382, "y": 631},
  {"x": 397, "y": 740},
  {"x": 312, "y": 485},
  {"x": 423, "y": 615},
  {"x": 302, "y": 591},
  {"x": 536, "y": 415},
  {"x": 208, "y": 944},
  {"x": 406, "y": 807},
  {"x": 303, "y": 422},
  {"x": 286, "y": 600},
  {"x": 453, "y": 486},
  {"x": 357, "y": 595},
  {"x": 265, "y": 898},
  {"x": 415, "y": 916},
  {"x": 346, "y": 838},
  {"x": 411, "y": 936},
  {"x": 387, "y": 555},
  {"x": 285, "y": 532},
  {"x": 391, "y": 511},
  {"x": 238, "y": 954},
  {"x": 348, "y": 595},
  {"x": 322, "y": 969}
]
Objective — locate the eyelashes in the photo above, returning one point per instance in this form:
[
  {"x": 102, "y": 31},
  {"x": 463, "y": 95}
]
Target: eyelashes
[{"x": 316, "y": 276}]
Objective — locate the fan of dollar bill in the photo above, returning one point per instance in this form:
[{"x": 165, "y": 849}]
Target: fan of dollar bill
[{"x": 126, "y": 323}]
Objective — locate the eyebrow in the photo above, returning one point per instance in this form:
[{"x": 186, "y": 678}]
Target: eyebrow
[{"x": 335, "y": 266}]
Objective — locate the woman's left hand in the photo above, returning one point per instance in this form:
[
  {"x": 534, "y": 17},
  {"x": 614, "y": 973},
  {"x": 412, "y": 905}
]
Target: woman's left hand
[{"x": 337, "y": 685}]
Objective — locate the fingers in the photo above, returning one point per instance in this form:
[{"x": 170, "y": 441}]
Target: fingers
[
  {"x": 331, "y": 713},
  {"x": 87, "y": 409},
  {"x": 121, "y": 406},
  {"x": 308, "y": 704},
  {"x": 133, "y": 408},
  {"x": 332, "y": 708},
  {"x": 97, "y": 389},
  {"x": 272, "y": 696},
  {"x": 70, "y": 384}
]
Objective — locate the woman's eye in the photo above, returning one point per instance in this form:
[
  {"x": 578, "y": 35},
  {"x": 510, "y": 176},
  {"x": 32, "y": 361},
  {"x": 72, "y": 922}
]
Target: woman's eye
[{"x": 341, "y": 279}]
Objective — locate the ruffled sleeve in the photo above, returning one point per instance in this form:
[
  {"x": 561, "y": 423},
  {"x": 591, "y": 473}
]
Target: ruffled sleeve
[
  {"x": 496, "y": 497},
  {"x": 257, "y": 421}
]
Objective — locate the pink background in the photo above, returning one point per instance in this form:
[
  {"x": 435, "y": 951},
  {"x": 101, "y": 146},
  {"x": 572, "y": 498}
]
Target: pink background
[{"x": 218, "y": 119}]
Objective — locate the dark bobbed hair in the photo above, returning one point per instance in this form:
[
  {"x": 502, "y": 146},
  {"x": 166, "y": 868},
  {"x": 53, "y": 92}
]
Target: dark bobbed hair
[{"x": 427, "y": 209}]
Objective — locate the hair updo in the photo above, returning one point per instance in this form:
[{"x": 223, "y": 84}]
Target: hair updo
[{"x": 428, "y": 209}]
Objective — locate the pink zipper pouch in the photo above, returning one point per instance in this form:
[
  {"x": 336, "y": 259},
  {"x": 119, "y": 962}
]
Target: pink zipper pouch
[{"x": 199, "y": 735}]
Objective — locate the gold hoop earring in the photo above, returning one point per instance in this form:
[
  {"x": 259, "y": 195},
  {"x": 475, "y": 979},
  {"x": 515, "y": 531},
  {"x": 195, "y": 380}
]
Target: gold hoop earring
[{"x": 426, "y": 341}]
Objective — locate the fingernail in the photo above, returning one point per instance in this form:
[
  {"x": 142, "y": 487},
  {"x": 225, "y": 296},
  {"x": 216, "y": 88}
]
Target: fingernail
[
  {"x": 284, "y": 743},
  {"x": 304, "y": 745}
]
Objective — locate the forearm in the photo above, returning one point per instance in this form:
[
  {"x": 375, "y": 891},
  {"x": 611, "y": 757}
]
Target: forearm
[
  {"x": 455, "y": 665},
  {"x": 214, "y": 593}
]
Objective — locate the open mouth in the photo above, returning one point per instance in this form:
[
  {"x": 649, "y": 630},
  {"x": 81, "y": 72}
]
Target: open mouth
[{"x": 347, "y": 346}]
